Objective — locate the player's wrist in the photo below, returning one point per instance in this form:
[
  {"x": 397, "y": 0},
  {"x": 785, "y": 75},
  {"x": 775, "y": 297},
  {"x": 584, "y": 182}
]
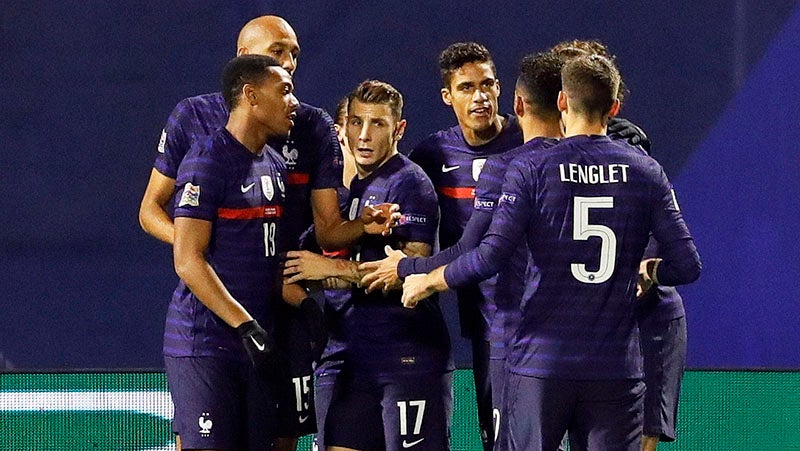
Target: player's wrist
[
  {"x": 248, "y": 328},
  {"x": 652, "y": 269}
]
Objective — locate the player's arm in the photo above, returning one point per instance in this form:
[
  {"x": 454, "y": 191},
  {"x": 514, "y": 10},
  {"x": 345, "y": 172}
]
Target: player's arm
[
  {"x": 398, "y": 265},
  {"x": 153, "y": 216},
  {"x": 192, "y": 237},
  {"x": 305, "y": 265},
  {"x": 334, "y": 233},
  {"x": 498, "y": 244},
  {"x": 679, "y": 262}
]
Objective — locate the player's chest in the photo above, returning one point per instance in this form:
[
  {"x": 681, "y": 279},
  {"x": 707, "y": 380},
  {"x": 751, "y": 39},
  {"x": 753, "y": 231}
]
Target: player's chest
[
  {"x": 258, "y": 185},
  {"x": 458, "y": 169}
]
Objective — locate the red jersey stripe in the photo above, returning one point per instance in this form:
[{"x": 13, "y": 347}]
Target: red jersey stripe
[
  {"x": 268, "y": 211},
  {"x": 297, "y": 178},
  {"x": 465, "y": 192}
]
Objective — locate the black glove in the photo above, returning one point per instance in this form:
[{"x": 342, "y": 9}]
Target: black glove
[
  {"x": 620, "y": 128},
  {"x": 314, "y": 321},
  {"x": 261, "y": 349}
]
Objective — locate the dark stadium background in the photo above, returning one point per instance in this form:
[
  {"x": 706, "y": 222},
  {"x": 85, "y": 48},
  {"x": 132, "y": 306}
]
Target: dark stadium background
[{"x": 87, "y": 86}]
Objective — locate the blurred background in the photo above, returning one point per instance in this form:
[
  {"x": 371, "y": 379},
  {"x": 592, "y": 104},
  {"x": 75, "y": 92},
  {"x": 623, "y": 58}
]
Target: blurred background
[{"x": 87, "y": 87}]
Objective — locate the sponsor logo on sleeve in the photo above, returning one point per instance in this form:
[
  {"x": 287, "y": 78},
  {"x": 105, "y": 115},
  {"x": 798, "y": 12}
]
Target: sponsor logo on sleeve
[
  {"x": 446, "y": 169},
  {"x": 413, "y": 219},
  {"x": 508, "y": 198},
  {"x": 482, "y": 203},
  {"x": 162, "y": 143},
  {"x": 190, "y": 195}
]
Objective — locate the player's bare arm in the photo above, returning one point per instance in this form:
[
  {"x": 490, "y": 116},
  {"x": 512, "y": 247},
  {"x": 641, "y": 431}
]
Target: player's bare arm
[
  {"x": 420, "y": 286},
  {"x": 305, "y": 265},
  {"x": 334, "y": 233},
  {"x": 192, "y": 237},
  {"x": 153, "y": 216},
  {"x": 382, "y": 273}
]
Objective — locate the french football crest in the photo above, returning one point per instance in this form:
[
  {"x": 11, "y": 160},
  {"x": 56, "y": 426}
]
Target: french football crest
[
  {"x": 266, "y": 187},
  {"x": 477, "y": 167},
  {"x": 289, "y": 155}
]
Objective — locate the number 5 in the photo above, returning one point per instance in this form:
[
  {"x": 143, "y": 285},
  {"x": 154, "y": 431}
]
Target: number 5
[{"x": 582, "y": 230}]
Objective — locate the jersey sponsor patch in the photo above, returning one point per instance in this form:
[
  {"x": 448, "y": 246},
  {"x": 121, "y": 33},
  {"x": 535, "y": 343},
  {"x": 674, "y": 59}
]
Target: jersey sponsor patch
[
  {"x": 508, "y": 198},
  {"x": 190, "y": 195},
  {"x": 413, "y": 219},
  {"x": 353, "y": 209},
  {"x": 162, "y": 143},
  {"x": 483, "y": 203}
]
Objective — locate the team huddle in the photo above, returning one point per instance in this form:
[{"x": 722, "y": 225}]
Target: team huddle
[{"x": 307, "y": 300}]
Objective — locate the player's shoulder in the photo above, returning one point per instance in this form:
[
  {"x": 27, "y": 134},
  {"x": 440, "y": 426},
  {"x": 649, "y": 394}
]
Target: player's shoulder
[
  {"x": 439, "y": 141},
  {"x": 203, "y": 102}
]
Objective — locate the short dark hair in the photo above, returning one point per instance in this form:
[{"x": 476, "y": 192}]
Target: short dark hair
[
  {"x": 459, "y": 54},
  {"x": 242, "y": 70},
  {"x": 578, "y": 47},
  {"x": 592, "y": 84},
  {"x": 540, "y": 79},
  {"x": 340, "y": 118},
  {"x": 376, "y": 91}
]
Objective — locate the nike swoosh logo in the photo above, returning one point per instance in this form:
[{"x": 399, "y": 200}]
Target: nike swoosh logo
[
  {"x": 451, "y": 168},
  {"x": 302, "y": 419},
  {"x": 414, "y": 443},
  {"x": 258, "y": 345},
  {"x": 248, "y": 187}
]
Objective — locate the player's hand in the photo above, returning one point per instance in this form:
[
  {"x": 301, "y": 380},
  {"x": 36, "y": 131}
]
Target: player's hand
[
  {"x": 645, "y": 281},
  {"x": 305, "y": 265},
  {"x": 382, "y": 274},
  {"x": 261, "y": 349},
  {"x": 314, "y": 322},
  {"x": 380, "y": 219},
  {"x": 416, "y": 288},
  {"x": 624, "y": 129}
]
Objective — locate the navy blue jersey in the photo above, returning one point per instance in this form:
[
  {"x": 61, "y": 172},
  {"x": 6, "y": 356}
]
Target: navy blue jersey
[
  {"x": 586, "y": 208},
  {"x": 454, "y": 167},
  {"x": 503, "y": 291},
  {"x": 243, "y": 195},
  {"x": 383, "y": 336},
  {"x": 312, "y": 154}
]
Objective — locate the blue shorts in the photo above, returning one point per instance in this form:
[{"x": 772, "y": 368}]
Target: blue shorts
[
  {"x": 604, "y": 415},
  {"x": 296, "y": 415},
  {"x": 220, "y": 404},
  {"x": 664, "y": 352},
  {"x": 392, "y": 413},
  {"x": 323, "y": 387},
  {"x": 498, "y": 374}
]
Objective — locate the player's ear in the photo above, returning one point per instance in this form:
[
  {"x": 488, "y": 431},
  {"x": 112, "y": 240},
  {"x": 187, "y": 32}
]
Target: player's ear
[
  {"x": 562, "y": 101},
  {"x": 446, "y": 97},
  {"x": 242, "y": 51},
  {"x": 614, "y": 108},
  {"x": 400, "y": 130},
  {"x": 249, "y": 94},
  {"x": 519, "y": 105}
]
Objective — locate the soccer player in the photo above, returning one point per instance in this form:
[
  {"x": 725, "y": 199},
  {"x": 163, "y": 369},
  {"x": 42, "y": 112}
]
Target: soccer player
[
  {"x": 537, "y": 87},
  {"x": 586, "y": 208},
  {"x": 662, "y": 322},
  {"x": 227, "y": 217},
  {"x": 453, "y": 159},
  {"x": 313, "y": 160},
  {"x": 394, "y": 391}
]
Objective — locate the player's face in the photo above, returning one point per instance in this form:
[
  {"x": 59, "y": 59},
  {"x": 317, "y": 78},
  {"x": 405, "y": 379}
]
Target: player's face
[
  {"x": 473, "y": 94},
  {"x": 280, "y": 44},
  {"x": 372, "y": 134},
  {"x": 276, "y": 103}
]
